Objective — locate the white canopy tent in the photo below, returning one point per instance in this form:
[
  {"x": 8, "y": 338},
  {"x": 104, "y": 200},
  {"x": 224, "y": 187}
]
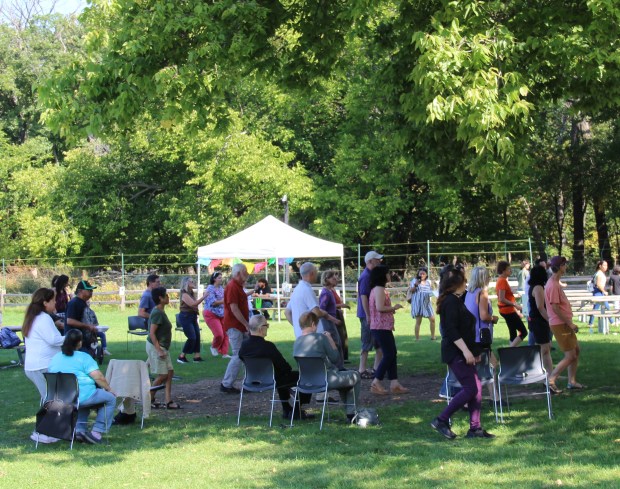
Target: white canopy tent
[{"x": 271, "y": 238}]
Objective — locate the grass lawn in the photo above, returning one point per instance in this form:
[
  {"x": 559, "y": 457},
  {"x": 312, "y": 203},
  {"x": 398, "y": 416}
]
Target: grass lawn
[{"x": 579, "y": 448}]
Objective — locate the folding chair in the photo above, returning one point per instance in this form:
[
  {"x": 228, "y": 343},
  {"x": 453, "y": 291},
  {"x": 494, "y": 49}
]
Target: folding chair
[
  {"x": 521, "y": 365},
  {"x": 485, "y": 374},
  {"x": 59, "y": 408},
  {"x": 313, "y": 380},
  {"x": 259, "y": 377},
  {"x": 137, "y": 326}
]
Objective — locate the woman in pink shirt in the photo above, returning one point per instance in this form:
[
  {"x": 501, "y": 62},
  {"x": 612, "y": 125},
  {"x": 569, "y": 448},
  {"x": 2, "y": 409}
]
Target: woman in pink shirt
[
  {"x": 561, "y": 323},
  {"x": 382, "y": 329}
]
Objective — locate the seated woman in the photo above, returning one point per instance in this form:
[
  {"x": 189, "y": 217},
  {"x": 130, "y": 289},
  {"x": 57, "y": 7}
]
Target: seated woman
[
  {"x": 313, "y": 344},
  {"x": 262, "y": 291},
  {"x": 94, "y": 388}
]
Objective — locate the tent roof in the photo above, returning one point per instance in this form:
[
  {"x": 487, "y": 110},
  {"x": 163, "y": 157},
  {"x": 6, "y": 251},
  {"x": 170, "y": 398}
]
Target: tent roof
[{"x": 271, "y": 238}]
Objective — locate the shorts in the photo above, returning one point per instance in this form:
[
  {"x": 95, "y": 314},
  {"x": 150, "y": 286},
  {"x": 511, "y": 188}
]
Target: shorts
[
  {"x": 515, "y": 325},
  {"x": 368, "y": 342},
  {"x": 158, "y": 365},
  {"x": 565, "y": 336},
  {"x": 541, "y": 330}
]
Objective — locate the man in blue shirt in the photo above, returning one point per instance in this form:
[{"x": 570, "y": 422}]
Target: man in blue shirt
[
  {"x": 372, "y": 259},
  {"x": 146, "y": 301}
]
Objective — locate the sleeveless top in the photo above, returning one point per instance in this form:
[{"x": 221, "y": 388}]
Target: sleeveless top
[
  {"x": 184, "y": 307},
  {"x": 380, "y": 320},
  {"x": 534, "y": 313},
  {"x": 471, "y": 303}
]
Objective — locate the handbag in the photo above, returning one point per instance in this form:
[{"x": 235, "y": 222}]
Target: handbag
[{"x": 486, "y": 339}]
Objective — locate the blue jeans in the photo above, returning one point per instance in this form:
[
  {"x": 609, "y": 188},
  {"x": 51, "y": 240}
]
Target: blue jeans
[
  {"x": 385, "y": 339},
  {"x": 189, "y": 323},
  {"x": 597, "y": 306},
  {"x": 105, "y": 414}
]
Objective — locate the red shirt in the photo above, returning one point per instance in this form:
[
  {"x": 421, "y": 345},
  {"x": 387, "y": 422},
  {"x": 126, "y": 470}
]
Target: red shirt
[
  {"x": 234, "y": 294},
  {"x": 502, "y": 284}
]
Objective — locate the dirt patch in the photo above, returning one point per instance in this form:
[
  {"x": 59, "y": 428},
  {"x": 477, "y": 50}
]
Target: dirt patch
[{"x": 204, "y": 398}]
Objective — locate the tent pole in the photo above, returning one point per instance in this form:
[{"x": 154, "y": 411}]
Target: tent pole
[
  {"x": 278, "y": 289},
  {"x": 344, "y": 293}
]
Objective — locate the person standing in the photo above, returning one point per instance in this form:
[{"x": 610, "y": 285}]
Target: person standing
[
  {"x": 508, "y": 307},
  {"x": 146, "y": 301},
  {"x": 382, "y": 329},
  {"x": 372, "y": 259},
  {"x": 188, "y": 318},
  {"x": 236, "y": 314},
  {"x": 523, "y": 276},
  {"x": 158, "y": 346},
  {"x": 330, "y": 302},
  {"x": 599, "y": 282},
  {"x": 60, "y": 284},
  {"x": 614, "y": 283},
  {"x": 421, "y": 307},
  {"x": 561, "y": 323},
  {"x": 213, "y": 314},
  {"x": 460, "y": 351}
]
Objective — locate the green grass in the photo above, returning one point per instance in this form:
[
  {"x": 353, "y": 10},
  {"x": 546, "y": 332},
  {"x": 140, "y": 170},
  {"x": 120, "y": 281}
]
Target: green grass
[{"x": 579, "y": 448}]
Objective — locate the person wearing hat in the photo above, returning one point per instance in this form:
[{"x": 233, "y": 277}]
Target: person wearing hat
[
  {"x": 561, "y": 324},
  {"x": 74, "y": 317},
  {"x": 372, "y": 259}
]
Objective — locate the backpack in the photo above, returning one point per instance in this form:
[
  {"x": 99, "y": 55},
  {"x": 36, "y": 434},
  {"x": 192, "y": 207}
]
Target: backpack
[
  {"x": 590, "y": 285},
  {"x": 8, "y": 339}
]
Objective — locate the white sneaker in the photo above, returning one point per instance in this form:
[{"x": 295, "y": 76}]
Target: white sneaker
[
  {"x": 106, "y": 352},
  {"x": 226, "y": 356},
  {"x": 43, "y": 438},
  {"x": 214, "y": 352}
]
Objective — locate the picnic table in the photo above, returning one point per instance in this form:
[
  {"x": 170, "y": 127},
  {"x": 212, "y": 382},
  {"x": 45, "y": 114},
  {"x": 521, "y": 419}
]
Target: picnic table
[{"x": 582, "y": 303}]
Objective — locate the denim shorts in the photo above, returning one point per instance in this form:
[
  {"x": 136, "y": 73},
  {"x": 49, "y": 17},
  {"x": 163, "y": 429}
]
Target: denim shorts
[{"x": 368, "y": 342}]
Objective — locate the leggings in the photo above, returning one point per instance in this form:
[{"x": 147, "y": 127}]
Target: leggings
[{"x": 514, "y": 323}]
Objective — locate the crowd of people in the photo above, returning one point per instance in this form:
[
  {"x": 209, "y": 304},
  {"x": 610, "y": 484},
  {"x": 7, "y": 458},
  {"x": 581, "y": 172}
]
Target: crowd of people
[{"x": 61, "y": 334}]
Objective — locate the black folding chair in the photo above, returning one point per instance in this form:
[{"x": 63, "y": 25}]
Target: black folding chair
[
  {"x": 259, "y": 377},
  {"x": 485, "y": 374},
  {"x": 521, "y": 365},
  {"x": 137, "y": 326},
  {"x": 59, "y": 408}
]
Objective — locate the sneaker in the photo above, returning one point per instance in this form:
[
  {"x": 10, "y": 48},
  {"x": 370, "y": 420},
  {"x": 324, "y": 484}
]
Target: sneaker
[
  {"x": 182, "y": 360},
  {"x": 107, "y": 352},
  {"x": 199, "y": 359},
  {"x": 226, "y": 356},
  {"x": 214, "y": 352},
  {"x": 43, "y": 438},
  {"x": 229, "y": 390},
  {"x": 479, "y": 433},
  {"x": 443, "y": 429},
  {"x": 92, "y": 437}
]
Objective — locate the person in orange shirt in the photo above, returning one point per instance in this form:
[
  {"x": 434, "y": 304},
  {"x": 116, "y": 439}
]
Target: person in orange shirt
[{"x": 508, "y": 307}]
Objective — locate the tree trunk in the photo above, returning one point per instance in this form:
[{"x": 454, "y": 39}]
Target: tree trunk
[
  {"x": 601, "y": 229},
  {"x": 578, "y": 130},
  {"x": 531, "y": 219}
]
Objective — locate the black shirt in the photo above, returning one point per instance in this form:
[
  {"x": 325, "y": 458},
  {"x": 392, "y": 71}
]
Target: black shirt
[
  {"x": 257, "y": 346},
  {"x": 456, "y": 322},
  {"x": 75, "y": 310}
]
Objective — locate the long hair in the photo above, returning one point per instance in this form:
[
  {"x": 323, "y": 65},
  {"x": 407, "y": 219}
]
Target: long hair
[
  {"x": 478, "y": 279},
  {"x": 599, "y": 264},
  {"x": 214, "y": 276},
  {"x": 451, "y": 283},
  {"x": 72, "y": 340},
  {"x": 59, "y": 282},
  {"x": 184, "y": 283},
  {"x": 36, "y": 307}
]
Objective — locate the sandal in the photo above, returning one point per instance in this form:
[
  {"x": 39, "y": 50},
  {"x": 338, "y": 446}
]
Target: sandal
[
  {"x": 378, "y": 389},
  {"x": 173, "y": 405},
  {"x": 575, "y": 387},
  {"x": 367, "y": 374},
  {"x": 554, "y": 389},
  {"x": 156, "y": 405}
]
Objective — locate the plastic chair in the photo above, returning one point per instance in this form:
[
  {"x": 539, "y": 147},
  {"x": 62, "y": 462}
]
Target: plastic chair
[
  {"x": 313, "y": 380},
  {"x": 59, "y": 408},
  {"x": 485, "y": 374},
  {"x": 259, "y": 377},
  {"x": 521, "y": 365},
  {"x": 137, "y": 326}
]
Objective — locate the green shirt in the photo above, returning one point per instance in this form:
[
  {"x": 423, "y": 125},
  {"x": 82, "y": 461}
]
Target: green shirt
[{"x": 164, "y": 328}]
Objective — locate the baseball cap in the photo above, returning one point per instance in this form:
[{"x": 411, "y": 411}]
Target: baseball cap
[
  {"x": 371, "y": 255},
  {"x": 85, "y": 285},
  {"x": 557, "y": 261}
]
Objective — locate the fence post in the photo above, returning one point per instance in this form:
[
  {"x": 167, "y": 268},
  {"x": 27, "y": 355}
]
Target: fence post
[
  {"x": 121, "y": 291},
  {"x": 359, "y": 259},
  {"x": 3, "y": 288},
  {"x": 428, "y": 256}
]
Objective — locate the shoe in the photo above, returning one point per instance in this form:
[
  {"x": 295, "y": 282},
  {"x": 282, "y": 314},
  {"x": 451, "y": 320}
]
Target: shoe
[
  {"x": 106, "y": 352},
  {"x": 182, "y": 360},
  {"x": 377, "y": 389},
  {"x": 367, "y": 374},
  {"x": 173, "y": 405},
  {"x": 575, "y": 387},
  {"x": 443, "y": 429},
  {"x": 124, "y": 419},
  {"x": 92, "y": 437},
  {"x": 214, "y": 352},
  {"x": 79, "y": 436},
  {"x": 229, "y": 390},
  {"x": 479, "y": 433},
  {"x": 226, "y": 356},
  {"x": 399, "y": 390},
  {"x": 554, "y": 389},
  {"x": 43, "y": 438},
  {"x": 199, "y": 359}
]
